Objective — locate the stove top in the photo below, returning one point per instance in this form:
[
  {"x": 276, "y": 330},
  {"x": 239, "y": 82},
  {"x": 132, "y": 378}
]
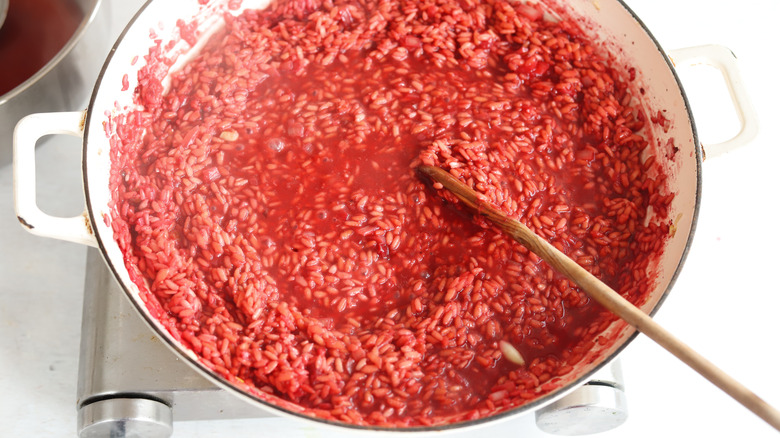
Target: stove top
[
  {"x": 121, "y": 356},
  {"x": 131, "y": 384},
  {"x": 724, "y": 303}
]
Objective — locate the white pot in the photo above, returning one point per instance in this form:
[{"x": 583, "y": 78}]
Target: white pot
[{"x": 609, "y": 21}]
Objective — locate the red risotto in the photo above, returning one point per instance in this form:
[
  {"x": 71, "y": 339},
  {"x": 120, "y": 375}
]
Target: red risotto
[{"x": 269, "y": 203}]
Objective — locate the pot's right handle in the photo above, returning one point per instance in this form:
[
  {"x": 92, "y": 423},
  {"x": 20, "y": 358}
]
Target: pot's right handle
[
  {"x": 724, "y": 60},
  {"x": 28, "y": 131}
]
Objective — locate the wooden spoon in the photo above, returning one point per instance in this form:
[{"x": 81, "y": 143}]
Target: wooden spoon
[{"x": 604, "y": 295}]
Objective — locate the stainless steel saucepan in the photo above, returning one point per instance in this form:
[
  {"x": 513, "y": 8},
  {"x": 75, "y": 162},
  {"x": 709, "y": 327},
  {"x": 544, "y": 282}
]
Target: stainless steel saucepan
[{"x": 64, "y": 82}]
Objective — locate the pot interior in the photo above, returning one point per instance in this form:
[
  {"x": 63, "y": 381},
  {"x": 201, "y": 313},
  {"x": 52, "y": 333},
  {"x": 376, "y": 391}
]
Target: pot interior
[{"x": 608, "y": 21}]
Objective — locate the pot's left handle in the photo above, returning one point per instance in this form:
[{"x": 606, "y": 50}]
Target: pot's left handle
[{"x": 28, "y": 131}]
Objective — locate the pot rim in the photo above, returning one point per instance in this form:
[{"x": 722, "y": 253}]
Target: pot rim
[
  {"x": 459, "y": 426},
  {"x": 89, "y": 17}
]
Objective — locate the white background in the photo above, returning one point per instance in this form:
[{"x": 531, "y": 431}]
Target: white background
[{"x": 725, "y": 304}]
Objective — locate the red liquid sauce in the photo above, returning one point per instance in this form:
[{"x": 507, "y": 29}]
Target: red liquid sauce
[
  {"x": 274, "y": 209},
  {"x": 379, "y": 168},
  {"x": 32, "y": 34}
]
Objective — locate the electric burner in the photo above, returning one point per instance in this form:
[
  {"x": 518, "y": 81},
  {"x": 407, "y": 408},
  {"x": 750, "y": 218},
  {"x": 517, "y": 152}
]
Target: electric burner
[{"x": 131, "y": 384}]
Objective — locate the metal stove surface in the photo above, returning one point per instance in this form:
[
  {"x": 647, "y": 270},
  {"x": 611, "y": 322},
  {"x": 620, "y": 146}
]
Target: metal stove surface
[
  {"x": 42, "y": 279},
  {"x": 131, "y": 384},
  {"x": 122, "y": 358}
]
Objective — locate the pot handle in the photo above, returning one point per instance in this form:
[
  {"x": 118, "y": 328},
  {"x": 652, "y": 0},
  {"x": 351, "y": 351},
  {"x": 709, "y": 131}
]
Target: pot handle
[
  {"x": 724, "y": 60},
  {"x": 28, "y": 131}
]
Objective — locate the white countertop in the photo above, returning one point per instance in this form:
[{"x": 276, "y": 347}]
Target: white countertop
[{"x": 725, "y": 304}]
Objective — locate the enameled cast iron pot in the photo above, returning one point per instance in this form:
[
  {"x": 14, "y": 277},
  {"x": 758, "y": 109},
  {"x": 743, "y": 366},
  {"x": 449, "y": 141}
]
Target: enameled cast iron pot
[{"x": 609, "y": 22}]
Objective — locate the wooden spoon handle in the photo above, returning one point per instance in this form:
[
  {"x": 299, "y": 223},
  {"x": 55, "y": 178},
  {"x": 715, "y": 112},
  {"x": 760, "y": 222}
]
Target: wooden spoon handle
[{"x": 605, "y": 295}]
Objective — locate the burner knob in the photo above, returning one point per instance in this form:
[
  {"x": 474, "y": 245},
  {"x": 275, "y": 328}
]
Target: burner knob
[
  {"x": 125, "y": 418},
  {"x": 597, "y": 406}
]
